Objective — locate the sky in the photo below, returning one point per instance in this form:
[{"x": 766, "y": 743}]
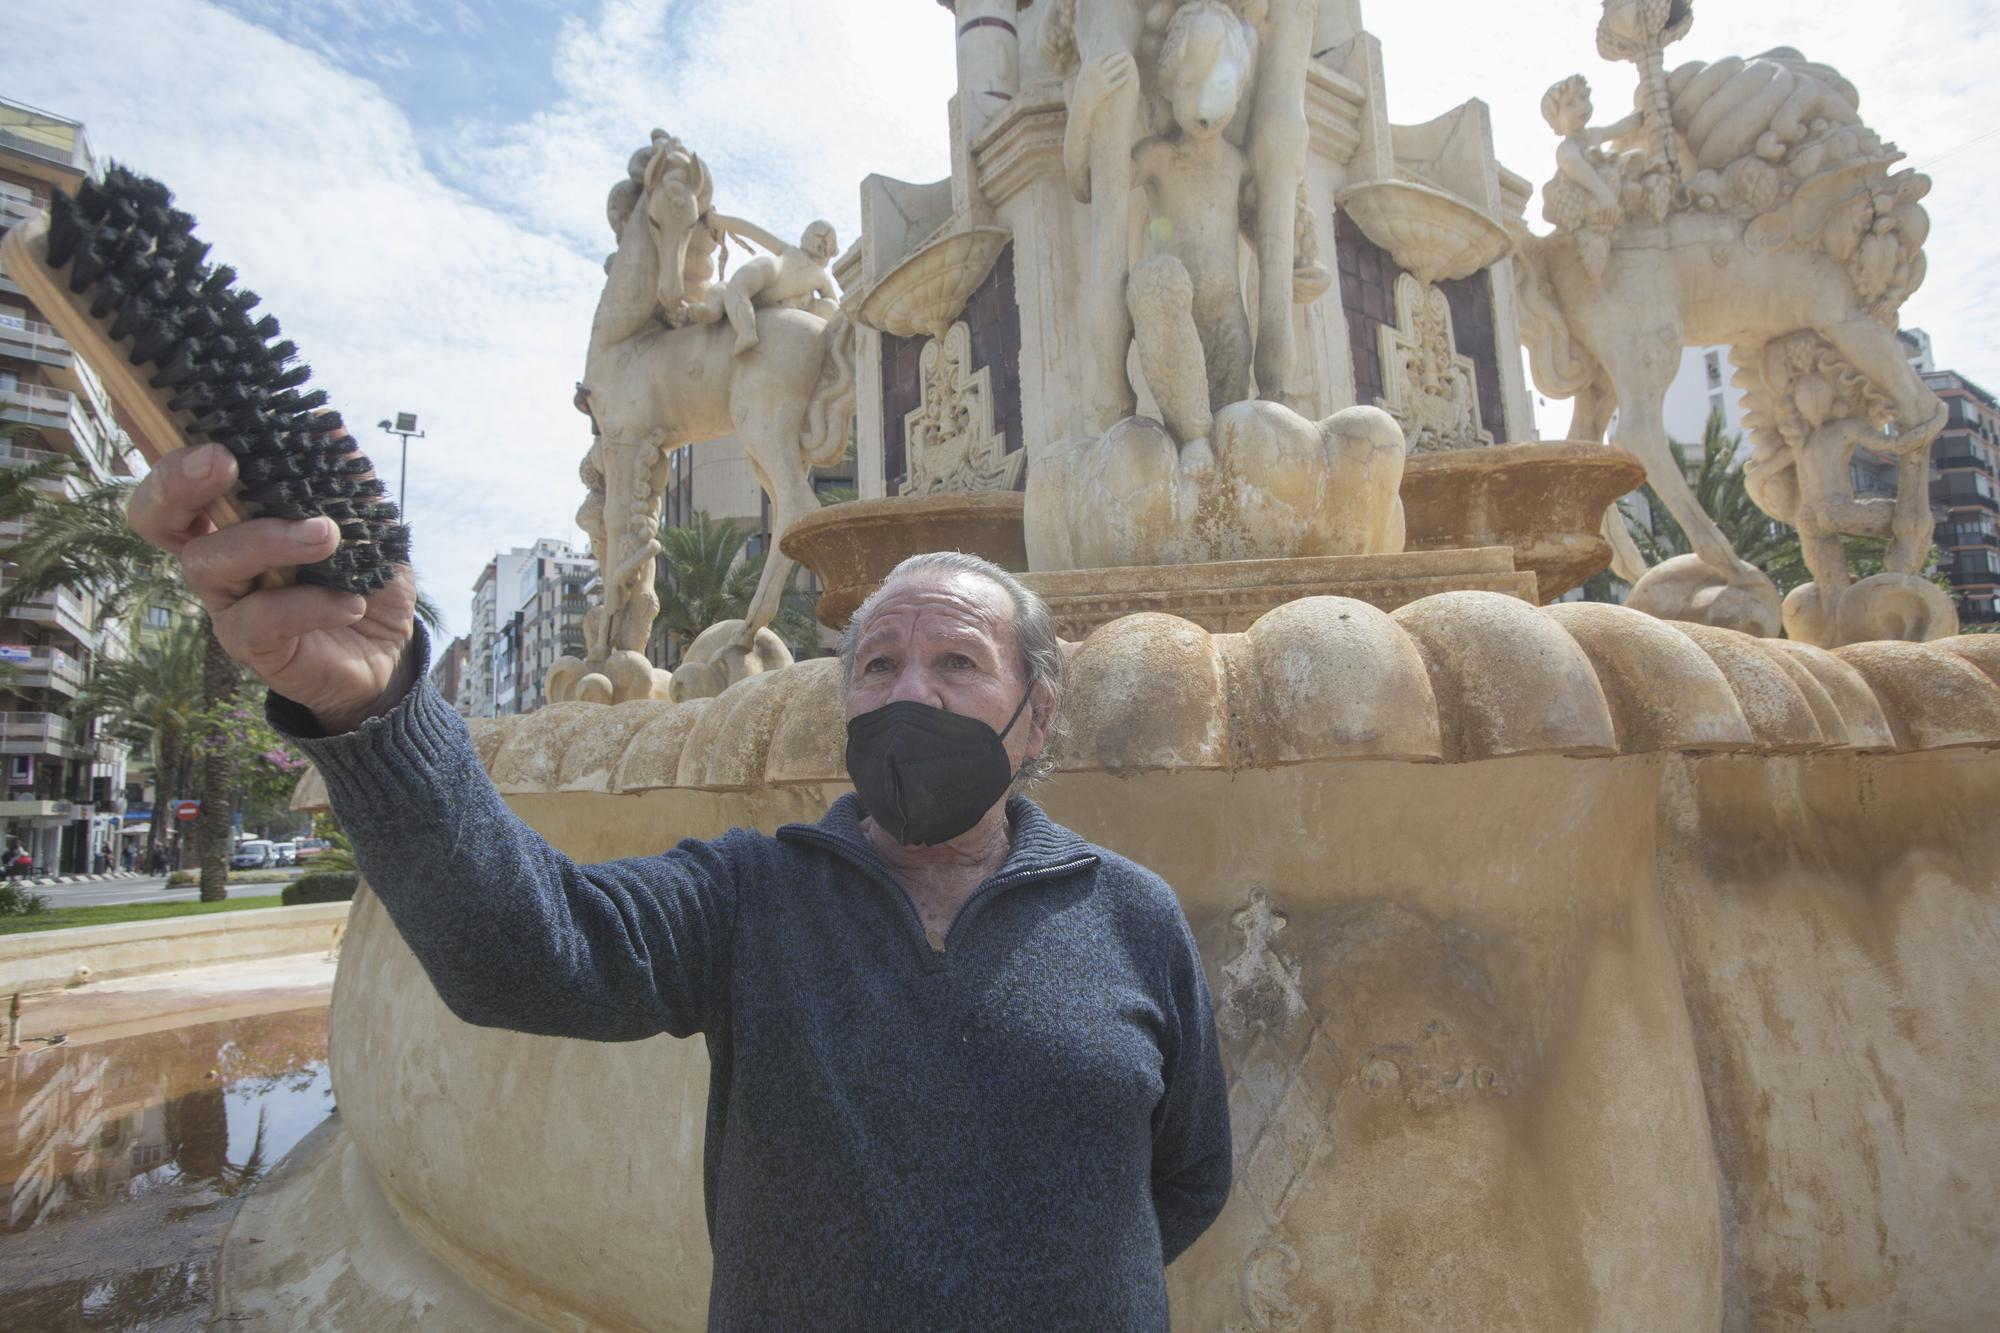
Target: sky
[{"x": 416, "y": 187}]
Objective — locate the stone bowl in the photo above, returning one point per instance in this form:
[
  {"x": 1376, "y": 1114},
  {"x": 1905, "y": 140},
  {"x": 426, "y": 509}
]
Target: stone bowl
[
  {"x": 1434, "y": 235},
  {"x": 852, "y": 547},
  {"x": 1544, "y": 498},
  {"x": 928, "y": 290}
]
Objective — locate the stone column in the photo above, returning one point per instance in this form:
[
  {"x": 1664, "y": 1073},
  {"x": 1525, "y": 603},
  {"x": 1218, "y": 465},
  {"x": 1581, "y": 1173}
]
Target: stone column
[{"x": 989, "y": 49}]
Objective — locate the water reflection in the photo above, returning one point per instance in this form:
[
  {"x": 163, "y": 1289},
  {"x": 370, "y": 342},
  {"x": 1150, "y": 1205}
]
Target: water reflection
[{"x": 120, "y": 1163}]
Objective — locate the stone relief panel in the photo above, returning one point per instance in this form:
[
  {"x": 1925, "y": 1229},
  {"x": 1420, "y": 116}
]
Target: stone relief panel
[
  {"x": 992, "y": 319},
  {"x": 1284, "y": 1075},
  {"x": 950, "y": 437},
  {"x": 1428, "y": 385}
]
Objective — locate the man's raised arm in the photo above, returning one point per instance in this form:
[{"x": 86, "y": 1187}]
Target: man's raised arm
[{"x": 513, "y": 933}]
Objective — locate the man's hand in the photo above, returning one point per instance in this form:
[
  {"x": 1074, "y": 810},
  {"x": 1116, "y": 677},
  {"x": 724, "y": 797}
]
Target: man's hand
[{"x": 338, "y": 654}]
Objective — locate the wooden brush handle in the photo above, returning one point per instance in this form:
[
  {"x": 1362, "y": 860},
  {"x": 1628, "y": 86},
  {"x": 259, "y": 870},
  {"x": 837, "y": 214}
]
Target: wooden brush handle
[{"x": 141, "y": 409}]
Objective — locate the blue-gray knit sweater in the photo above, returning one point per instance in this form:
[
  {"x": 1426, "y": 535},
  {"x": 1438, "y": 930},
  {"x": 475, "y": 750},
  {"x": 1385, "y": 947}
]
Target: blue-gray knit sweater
[{"x": 1015, "y": 1133}]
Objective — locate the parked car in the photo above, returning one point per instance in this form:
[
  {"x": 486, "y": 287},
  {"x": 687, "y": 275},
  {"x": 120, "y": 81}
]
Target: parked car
[
  {"x": 284, "y": 853},
  {"x": 253, "y": 854},
  {"x": 305, "y": 849}
]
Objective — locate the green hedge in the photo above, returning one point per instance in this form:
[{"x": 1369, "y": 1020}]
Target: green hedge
[{"x": 330, "y": 886}]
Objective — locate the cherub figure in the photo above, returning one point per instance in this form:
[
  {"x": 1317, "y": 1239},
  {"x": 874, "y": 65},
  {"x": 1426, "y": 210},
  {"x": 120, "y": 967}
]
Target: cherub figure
[
  {"x": 1188, "y": 316},
  {"x": 794, "y": 276},
  {"x": 1586, "y": 197}
]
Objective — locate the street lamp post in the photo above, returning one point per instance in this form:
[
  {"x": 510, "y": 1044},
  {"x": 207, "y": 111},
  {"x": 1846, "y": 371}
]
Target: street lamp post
[{"x": 404, "y": 427}]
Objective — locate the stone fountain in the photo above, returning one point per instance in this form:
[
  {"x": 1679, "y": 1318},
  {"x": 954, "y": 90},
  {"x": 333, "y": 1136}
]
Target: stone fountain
[{"x": 1575, "y": 967}]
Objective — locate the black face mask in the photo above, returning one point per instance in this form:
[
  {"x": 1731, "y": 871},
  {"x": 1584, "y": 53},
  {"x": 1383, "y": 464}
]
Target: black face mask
[{"x": 926, "y": 775}]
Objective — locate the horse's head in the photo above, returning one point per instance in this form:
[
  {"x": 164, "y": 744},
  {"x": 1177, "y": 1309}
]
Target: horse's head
[{"x": 678, "y": 191}]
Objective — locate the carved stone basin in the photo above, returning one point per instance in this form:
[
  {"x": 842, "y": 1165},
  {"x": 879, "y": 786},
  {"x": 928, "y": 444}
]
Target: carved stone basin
[
  {"x": 1544, "y": 498},
  {"x": 928, "y": 290},
  {"x": 1435, "y": 236},
  {"x": 852, "y": 547}
]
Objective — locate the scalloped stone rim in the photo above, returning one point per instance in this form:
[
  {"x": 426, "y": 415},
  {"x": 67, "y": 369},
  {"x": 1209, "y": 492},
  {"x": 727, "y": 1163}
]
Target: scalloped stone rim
[{"x": 1454, "y": 678}]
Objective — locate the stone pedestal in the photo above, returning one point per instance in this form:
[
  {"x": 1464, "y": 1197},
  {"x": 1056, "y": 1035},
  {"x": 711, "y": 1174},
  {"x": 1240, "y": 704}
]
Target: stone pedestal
[{"x": 1230, "y": 595}]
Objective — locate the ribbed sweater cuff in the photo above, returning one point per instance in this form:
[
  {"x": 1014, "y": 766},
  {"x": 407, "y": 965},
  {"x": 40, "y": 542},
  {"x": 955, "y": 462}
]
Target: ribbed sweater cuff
[{"x": 387, "y": 760}]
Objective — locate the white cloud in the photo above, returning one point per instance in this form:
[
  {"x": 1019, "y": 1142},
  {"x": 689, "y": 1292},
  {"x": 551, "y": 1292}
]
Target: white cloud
[{"x": 456, "y": 277}]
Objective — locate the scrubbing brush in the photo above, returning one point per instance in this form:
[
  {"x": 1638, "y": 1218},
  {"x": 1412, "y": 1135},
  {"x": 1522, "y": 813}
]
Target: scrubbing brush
[{"x": 117, "y": 269}]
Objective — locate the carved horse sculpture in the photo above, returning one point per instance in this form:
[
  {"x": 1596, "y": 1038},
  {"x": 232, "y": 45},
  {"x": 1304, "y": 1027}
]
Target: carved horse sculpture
[
  {"x": 663, "y": 373},
  {"x": 1787, "y": 219}
]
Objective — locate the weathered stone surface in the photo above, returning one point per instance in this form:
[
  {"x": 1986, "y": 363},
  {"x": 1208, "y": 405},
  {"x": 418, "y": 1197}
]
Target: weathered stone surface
[
  {"x": 1726, "y": 1006},
  {"x": 1265, "y": 484},
  {"x": 1508, "y": 680},
  {"x": 1664, "y": 692},
  {"x": 852, "y": 547},
  {"x": 1231, "y": 595},
  {"x": 1545, "y": 499},
  {"x": 1151, "y": 690}
]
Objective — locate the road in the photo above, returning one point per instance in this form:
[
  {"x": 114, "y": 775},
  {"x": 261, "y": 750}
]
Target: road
[{"x": 147, "y": 889}]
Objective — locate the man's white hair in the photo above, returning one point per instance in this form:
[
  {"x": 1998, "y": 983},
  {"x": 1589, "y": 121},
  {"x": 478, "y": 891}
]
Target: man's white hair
[{"x": 1034, "y": 631}]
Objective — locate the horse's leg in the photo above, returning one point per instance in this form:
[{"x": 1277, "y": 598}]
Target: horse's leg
[
  {"x": 1641, "y": 371},
  {"x": 772, "y": 441},
  {"x": 632, "y": 471},
  {"x": 1878, "y": 354}
]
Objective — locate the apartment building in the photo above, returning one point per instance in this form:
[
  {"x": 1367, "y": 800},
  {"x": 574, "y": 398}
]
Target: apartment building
[
  {"x": 64, "y": 790},
  {"x": 1965, "y": 491},
  {"x": 527, "y": 610},
  {"x": 450, "y": 675}
]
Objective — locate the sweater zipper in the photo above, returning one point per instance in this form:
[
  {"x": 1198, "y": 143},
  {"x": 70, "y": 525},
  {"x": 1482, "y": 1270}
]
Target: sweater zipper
[
  {"x": 1024, "y": 876},
  {"x": 933, "y": 959}
]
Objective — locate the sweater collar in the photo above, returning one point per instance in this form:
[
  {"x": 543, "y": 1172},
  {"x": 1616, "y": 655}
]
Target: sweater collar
[{"x": 1040, "y": 845}]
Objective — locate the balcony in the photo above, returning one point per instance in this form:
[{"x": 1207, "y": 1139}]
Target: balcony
[
  {"x": 62, "y": 608},
  {"x": 44, "y": 669},
  {"x": 1964, "y": 490},
  {"x": 32, "y": 340},
  {"x": 39, "y": 733},
  {"x": 45, "y": 137},
  {"x": 55, "y": 810},
  {"x": 44, "y": 408},
  {"x": 16, "y": 205}
]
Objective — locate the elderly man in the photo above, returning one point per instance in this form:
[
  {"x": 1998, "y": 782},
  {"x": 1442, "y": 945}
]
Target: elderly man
[{"x": 964, "y": 1064}]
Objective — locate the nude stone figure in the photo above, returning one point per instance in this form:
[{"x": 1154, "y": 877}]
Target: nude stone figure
[
  {"x": 1188, "y": 316},
  {"x": 1585, "y": 196},
  {"x": 794, "y": 277}
]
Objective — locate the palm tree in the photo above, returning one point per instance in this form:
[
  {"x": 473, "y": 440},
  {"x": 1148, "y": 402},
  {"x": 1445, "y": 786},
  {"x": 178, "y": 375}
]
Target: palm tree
[
  {"x": 700, "y": 580},
  {"x": 151, "y": 700},
  {"x": 86, "y": 542}
]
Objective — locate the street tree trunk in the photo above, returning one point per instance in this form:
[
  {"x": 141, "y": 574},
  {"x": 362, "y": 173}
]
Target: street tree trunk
[
  {"x": 167, "y": 754},
  {"x": 220, "y": 677}
]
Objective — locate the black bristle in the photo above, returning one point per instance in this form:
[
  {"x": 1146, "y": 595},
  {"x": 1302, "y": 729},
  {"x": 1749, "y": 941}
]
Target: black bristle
[
  {"x": 134, "y": 260},
  {"x": 65, "y": 229},
  {"x": 87, "y": 265},
  {"x": 137, "y": 314},
  {"x": 157, "y": 341},
  {"x": 178, "y": 368},
  {"x": 92, "y": 201},
  {"x": 108, "y": 296}
]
